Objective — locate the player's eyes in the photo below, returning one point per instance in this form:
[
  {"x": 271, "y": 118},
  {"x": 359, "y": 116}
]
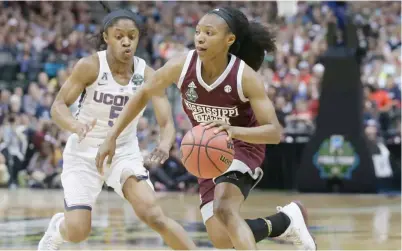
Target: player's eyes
[
  {"x": 209, "y": 33},
  {"x": 118, "y": 37},
  {"x": 197, "y": 32}
]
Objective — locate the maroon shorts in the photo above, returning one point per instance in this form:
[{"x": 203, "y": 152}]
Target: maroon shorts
[
  {"x": 243, "y": 180},
  {"x": 206, "y": 190}
]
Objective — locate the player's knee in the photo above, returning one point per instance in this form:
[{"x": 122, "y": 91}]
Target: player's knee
[
  {"x": 223, "y": 211},
  {"x": 77, "y": 231},
  {"x": 153, "y": 217}
]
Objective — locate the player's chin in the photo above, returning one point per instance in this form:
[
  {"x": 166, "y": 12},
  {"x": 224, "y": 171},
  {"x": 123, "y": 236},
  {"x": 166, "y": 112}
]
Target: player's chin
[{"x": 205, "y": 55}]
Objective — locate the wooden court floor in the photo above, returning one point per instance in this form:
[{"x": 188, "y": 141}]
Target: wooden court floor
[{"x": 339, "y": 222}]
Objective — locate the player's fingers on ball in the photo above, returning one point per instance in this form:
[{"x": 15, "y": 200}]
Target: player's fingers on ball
[
  {"x": 229, "y": 137},
  {"x": 210, "y": 125},
  {"x": 206, "y": 123},
  {"x": 219, "y": 129}
]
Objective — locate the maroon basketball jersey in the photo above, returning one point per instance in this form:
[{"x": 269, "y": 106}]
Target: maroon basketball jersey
[{"x": 222, "y": 100}]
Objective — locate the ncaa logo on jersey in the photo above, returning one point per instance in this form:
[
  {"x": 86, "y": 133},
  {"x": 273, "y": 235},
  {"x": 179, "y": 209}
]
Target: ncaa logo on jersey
[
  {"x": 137, "y": 81},
  {"x": 227, "y": 88},
  {"x": 191, "y": 94}
]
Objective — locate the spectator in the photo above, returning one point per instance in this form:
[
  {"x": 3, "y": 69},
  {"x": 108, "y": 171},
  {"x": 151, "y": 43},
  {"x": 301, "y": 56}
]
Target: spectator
[
  {"x": 4, "y": 104},
  {"x": 14, "y": 147},
  {"x": 43, "y": 110},
  {"x": 300, "y": 121},
  {"x": 31, "y": 100},
  {"x": 41, "y": 167},
  {"x": 4, "y": 176}
]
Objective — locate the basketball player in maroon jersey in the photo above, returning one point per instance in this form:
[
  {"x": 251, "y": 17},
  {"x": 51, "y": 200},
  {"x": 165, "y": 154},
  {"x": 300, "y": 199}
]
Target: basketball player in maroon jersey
[{"x": 220, "y": 88}]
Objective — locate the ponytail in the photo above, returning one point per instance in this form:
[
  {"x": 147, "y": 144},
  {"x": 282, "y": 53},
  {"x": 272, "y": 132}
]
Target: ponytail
[
  {"x": 98, "y": 41},
  {"x": 253, "y": 39},
  {"x": 254, "y": 45}
]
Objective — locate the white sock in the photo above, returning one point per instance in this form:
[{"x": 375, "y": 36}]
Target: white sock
[{"x": 58, "y": 228}]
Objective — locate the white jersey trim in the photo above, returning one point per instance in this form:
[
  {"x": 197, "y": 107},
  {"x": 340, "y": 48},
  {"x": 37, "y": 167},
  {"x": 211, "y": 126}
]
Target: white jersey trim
[
  {"x": 185, "y": 68},
  {"x": 240, "y": 82}
]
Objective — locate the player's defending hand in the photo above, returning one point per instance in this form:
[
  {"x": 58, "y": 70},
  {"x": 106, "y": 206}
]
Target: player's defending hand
[
  {"x": 159, "y": 155},
  {"x": 107, "y": 149},
  {"x": 222, "y": 126},
  {"x": 82, "y": 129}
]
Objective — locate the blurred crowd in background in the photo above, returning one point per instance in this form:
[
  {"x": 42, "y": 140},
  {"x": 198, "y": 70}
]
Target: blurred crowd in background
[{"x": 41, "y": 41}]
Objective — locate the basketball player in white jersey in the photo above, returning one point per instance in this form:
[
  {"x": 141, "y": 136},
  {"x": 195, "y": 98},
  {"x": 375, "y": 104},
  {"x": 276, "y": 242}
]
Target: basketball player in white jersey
[{"x": 106, "y": 81}]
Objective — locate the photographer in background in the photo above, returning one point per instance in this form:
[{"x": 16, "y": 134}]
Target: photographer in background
[{"x": 387, "y": 170}]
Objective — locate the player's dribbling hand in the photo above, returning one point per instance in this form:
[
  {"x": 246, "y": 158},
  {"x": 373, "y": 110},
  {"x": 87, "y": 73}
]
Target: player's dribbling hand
[
  {"x": 159, "y": 155},
  {"x": 221, "y": 126},
  {"x": 82, "y": 129},
  {"x": 107, "y": 149}
]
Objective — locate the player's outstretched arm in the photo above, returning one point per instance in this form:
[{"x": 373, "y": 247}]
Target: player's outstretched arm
[
  {"x": 163, "y": 114},
  {"x": 269, "y": 131},
  {"x": 85, "y": 72},
  {"x": 154, "y": 86}
]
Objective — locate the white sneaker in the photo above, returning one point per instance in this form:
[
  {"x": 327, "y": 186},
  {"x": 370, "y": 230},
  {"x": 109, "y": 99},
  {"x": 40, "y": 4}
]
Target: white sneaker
[
  {"x": 52, "y": 239},
  {"x": 297, "y": 232}
]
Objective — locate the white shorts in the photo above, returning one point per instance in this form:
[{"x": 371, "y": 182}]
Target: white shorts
[{"x": 81, "y": 180}]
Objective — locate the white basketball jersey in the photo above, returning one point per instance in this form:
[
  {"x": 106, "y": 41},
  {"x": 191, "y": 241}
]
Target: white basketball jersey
[{"x": 105, "y": 99}]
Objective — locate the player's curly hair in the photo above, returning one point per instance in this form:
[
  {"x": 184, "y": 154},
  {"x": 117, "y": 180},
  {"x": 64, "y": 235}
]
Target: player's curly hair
[{"x": 253, "y": 39}]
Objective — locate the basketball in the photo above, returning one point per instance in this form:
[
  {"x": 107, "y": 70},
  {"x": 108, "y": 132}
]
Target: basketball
[{"x": 206, "y": 154}]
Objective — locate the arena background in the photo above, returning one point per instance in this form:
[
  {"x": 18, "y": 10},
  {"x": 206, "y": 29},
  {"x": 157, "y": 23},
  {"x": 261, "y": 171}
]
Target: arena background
[{"x": 341, "y": 135}]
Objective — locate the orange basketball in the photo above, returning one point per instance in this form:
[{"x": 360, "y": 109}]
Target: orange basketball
[{"x": 206, "y": 154}]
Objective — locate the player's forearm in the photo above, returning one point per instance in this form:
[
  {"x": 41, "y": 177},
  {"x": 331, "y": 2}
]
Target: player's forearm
[
  {"x": 265, "y": 134},
  {"x": 62, "y": 116},
  {"x": 130, "y": 111},
  {"x": 167, "y": 134}
]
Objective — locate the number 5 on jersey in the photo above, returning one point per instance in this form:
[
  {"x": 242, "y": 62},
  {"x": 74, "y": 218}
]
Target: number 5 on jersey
[{"x": 114, "y": 114}]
